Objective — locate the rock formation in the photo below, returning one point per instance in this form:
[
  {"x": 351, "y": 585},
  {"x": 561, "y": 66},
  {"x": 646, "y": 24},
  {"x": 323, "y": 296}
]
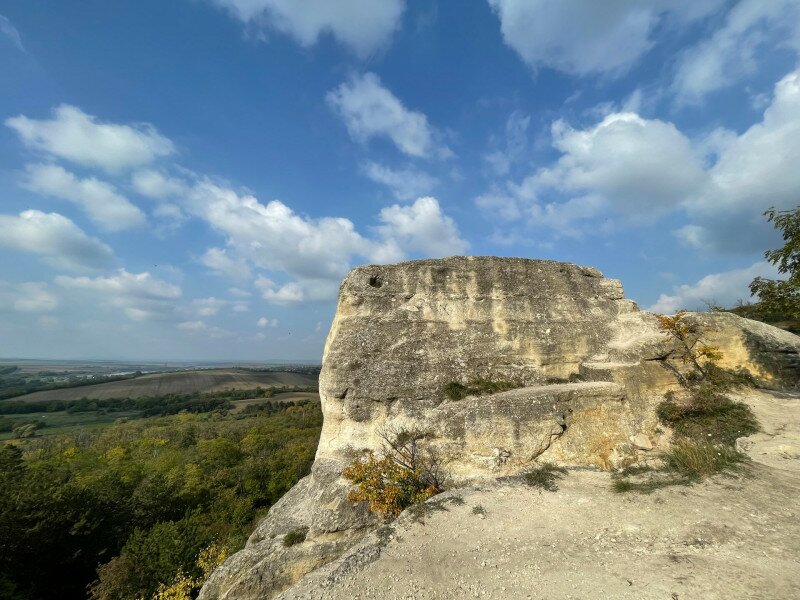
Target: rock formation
[{"x": 587, "y": 362}]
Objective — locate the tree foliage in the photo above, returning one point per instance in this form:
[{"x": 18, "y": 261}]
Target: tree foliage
[
  {"x": 782, "y": 296},
  {"x": 405, "y": 473},
  {"x": 686, "y": 344},
  {"x": 141, "y": 500}
]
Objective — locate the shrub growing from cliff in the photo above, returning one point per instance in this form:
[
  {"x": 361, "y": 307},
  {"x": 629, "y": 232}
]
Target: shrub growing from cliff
[
  {"x": 186, "y": 587},
  {"x": 687, "y": 345},
  {"x": 401, "y": 475}
]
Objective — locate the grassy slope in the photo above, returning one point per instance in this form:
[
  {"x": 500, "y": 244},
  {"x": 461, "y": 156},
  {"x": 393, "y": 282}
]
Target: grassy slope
[{"x": 240, "y": 405}]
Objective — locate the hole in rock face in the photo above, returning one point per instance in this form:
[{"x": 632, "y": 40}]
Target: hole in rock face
[{"x": 375, "y": 281}]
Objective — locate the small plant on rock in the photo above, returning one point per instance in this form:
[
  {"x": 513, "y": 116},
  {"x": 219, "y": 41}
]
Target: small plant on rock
[
  {"x": 296, "y": 536},
  {"x": 687, "y": 345},
  {"x": 402, "y": 474},
  {"x": 479, "y": 511}
]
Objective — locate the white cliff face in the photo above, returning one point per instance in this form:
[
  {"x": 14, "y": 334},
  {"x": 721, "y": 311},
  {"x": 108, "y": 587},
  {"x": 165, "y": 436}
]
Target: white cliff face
[
  {"x": 588, "y": 363},
  {"x": 403, "y": 332}
]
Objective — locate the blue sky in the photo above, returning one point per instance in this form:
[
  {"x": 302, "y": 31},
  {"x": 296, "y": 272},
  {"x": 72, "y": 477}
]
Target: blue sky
[{"x": 192, "y": 179}]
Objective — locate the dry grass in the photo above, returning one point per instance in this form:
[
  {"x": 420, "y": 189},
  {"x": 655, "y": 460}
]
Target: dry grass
[
  {"x": 687, "y": 462},
  {"x": 697, "y": 460}
]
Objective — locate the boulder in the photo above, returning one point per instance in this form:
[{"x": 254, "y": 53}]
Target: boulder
[{"x": 588, "y": 368}]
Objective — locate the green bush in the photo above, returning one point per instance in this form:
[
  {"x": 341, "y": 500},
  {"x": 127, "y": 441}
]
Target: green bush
[
  {"x": 716, "y": 420},
  {"x": 141, "y": 498}
]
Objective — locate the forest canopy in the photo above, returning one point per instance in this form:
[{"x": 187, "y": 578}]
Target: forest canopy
[{"x": 117, "y": 512}]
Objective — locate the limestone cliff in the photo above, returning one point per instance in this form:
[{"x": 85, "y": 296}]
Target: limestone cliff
[{"x": 587, "y": 362}]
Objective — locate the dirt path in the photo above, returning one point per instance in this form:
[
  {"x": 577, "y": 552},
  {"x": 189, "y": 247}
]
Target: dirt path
[{"x": 726, "y": 538}]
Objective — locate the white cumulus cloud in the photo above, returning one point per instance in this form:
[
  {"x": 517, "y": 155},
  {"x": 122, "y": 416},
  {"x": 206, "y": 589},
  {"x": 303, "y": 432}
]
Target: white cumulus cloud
[
  {"x": 405, "y": 183},
  {"x": 723, "y": 289},
  {"x": 220, "y": 261},
  {"x": 27, "y": 297},
  {"x": 208, "y": 307},
  {"x": 634, "y": 169},
  {"x": 583, "y": 37},
  {"x": 732, "y": 52},
  {"x": 154, "y": 184},
  {"x": 99, "y": 200},
  {"x": 422, "y": 228},
  {"x": 139, "y": 295},
  {"x": 298, "y": 259},
  {"x": 54, "y": 237},
  {"x": 363, "y": 25},
  {"x": 638, "y": 166},
  {"x": 75, "y": 136},
  {"x": 370, "y": 110}
]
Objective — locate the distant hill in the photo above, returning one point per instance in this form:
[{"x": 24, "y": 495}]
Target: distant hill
[{"x": 177, "y": 382}]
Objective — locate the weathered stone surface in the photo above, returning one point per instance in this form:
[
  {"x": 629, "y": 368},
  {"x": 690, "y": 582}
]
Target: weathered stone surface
[
  {"x": 402, "y": 332},
  {"x": 769, "y": 353},
  {"x": 589, "y": 363},
  {"x": 522, "y": 424}
]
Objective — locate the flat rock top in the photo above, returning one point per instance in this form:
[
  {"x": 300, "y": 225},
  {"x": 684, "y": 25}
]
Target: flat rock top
[
  {"x": 474, "y": 262},
  {"x": 726, "y": 538}
]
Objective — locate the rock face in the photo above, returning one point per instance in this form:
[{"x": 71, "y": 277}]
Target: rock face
[{"x": 588, "y": 365}]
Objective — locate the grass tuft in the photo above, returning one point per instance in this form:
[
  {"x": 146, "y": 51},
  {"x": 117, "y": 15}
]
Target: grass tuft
[
  {"x": 696, "y": 460},
  {"x": 296, "y": 536},
  {"x": 545, "y": 476},
  {"x": 687, "y": 462}
]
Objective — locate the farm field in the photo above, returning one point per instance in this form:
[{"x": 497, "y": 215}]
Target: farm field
[
  {"x": 62, "y": 422},
  {"x": 178, "y": 382}
]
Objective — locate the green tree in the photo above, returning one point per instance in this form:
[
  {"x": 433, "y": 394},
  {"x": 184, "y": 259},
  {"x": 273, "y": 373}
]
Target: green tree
[{"x": 782, "y": 296}]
